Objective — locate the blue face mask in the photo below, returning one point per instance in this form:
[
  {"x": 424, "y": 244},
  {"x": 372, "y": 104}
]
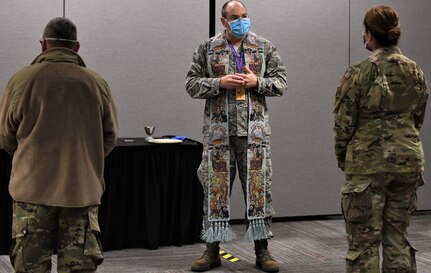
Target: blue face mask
[{"x": 240, "y": 27}]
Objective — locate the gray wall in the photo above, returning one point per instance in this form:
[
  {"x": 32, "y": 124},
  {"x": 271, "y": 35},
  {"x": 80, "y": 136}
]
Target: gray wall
[
  {"x": 144, "y": 48},
  {"x": 21, "y": 26}
]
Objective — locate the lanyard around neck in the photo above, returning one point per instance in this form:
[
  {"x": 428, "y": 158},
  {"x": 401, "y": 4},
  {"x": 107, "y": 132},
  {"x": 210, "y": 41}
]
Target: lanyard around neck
[{"x": 239, "y": 60}]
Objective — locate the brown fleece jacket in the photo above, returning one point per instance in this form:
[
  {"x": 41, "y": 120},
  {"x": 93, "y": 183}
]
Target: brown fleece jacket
[{"x": 58, "y": 120}]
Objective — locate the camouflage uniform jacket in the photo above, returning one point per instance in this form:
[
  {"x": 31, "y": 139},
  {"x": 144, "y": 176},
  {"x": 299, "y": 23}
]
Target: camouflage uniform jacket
[
  {"x": 213, "y": 59},
  {"x": 379, "y": 110}
]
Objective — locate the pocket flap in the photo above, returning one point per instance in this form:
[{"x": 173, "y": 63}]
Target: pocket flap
[
  {"x": 353, "y": 255},
  {"x": 349, "y": 187},
  {"x": 19, "y": 227},
  {"x": 93, "y": 219}
]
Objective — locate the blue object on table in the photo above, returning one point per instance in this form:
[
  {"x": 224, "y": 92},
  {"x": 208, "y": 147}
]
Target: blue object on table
[{"x": 179, "y": 137}]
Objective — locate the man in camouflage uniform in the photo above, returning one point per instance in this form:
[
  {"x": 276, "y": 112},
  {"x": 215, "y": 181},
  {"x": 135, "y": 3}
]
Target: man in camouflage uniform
[
  {"x": 225, "y": 78},
  {"x": 58, "y": 121},
  {"x": 379, "y": 110}
]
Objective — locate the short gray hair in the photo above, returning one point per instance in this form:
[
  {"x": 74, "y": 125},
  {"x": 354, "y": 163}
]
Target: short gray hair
[
  {"x": 224, "y": 7},
  {"x": 61, "y": 28}
]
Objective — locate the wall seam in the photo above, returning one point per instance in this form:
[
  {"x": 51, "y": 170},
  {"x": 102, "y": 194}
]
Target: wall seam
[
  {"x": 350, "y": 31},
  {"x": 212, "y": 17}
]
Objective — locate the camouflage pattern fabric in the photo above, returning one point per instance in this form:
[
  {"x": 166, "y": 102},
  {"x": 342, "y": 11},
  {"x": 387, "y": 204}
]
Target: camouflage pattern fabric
[
  {"x": 377, "y": 210},
  {"x": 379, "y": 110},
  {"x": 238, "y": 159},
  {"x": 200, "y": 85},
  {"x": 38, "y": 230}
]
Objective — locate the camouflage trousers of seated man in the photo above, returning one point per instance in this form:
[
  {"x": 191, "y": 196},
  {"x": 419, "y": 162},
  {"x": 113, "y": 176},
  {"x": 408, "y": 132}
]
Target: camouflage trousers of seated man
[
  {"x": 377, "y": 209},
  {"x": 39, "y": 230}
]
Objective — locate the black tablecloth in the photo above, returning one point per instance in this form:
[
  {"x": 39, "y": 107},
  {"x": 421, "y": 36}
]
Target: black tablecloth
[
  {"x": 5, "y": 203},
  {"x": 152, "y": 197}
]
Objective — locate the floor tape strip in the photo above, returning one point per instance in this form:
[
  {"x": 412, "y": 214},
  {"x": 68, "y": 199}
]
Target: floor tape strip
[{"x": 228, "y": 256}]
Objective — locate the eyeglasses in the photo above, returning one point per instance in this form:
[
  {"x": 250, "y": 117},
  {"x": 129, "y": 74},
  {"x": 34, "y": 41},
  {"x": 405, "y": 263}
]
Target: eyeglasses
[{"x": 57, "y": 39}]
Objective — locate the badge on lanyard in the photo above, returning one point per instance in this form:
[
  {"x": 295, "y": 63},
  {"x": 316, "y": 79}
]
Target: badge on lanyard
[
  {"x": 239, "y": 63},
  {"x": 240, "y": 93}
]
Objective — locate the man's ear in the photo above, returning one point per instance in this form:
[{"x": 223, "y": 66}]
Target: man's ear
[
  {"x": 44, "y": 45},
  {"x": 224, "y": 23},
  {"x": 77, "y": 46}
]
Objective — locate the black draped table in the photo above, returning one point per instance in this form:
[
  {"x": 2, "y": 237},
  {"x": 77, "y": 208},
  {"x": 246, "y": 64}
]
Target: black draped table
[{"x": 152, "y": 198}]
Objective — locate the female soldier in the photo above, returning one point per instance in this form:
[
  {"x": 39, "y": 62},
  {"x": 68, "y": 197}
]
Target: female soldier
[{"x": 379, "y": 110}]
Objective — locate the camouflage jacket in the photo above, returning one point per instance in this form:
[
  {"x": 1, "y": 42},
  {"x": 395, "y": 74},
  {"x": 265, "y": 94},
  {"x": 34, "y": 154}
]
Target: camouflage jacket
[
  {"x": 379, "y": 110},
  {"x": 213, "y": 59}
]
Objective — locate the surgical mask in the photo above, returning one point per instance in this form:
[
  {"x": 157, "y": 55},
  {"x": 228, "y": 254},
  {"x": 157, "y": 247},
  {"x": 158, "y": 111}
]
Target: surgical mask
[{"x": 240, "y": 27}]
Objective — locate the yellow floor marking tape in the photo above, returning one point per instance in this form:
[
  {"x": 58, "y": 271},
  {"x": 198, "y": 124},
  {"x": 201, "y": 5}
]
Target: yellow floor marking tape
[{"x": 228, "y": 256}]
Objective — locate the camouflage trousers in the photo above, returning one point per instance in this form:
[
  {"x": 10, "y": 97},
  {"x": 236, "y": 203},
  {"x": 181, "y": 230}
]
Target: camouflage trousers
[
  {"x": 39, "y": 230},
  {"x": 238, "y": 159},
  {"x": 377, "y": 210}
]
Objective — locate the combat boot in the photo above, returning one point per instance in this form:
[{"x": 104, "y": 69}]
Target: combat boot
[
  {"x": 264, "y": 259},
  {"x": 210, "y": 259}
]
